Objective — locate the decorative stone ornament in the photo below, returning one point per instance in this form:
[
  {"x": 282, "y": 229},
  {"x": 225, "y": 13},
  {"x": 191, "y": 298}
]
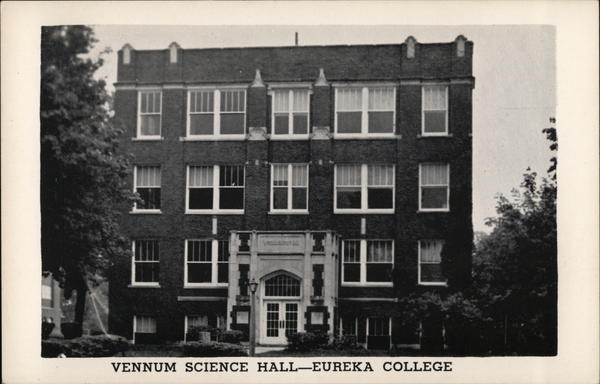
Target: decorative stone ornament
[
  {"x": 320, "y": 133},
  {"x": 127, "y": 48},
  {"x": 173, "y": 48},
  {"x": 257, "y": 133},
  {"x": 258, "y": 81},
  {"x": 460, "y": 45},
  {"x": 410, "y": 47},
  {"x": 321, "y": 80}
]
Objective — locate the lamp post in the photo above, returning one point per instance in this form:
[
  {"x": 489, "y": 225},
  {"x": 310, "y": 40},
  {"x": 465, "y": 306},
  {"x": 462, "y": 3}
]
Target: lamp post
[{"x": 253, "y": 285}]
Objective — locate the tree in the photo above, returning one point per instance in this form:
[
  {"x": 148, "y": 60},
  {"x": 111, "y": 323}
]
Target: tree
[
  {"x": 515, "y": 266},
  {"x": 82, "y": 176}
]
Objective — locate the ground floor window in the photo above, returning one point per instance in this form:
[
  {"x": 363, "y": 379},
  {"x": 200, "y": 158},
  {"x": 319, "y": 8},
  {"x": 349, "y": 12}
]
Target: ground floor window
[
  {"x": 378, "y": 333},
  {"x": 144, "y": 329},
  {"x": 349, "y": 326}
]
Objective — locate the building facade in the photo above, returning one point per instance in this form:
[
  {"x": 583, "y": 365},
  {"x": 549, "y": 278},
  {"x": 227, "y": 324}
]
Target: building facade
[{"x": 335, "y": 177}]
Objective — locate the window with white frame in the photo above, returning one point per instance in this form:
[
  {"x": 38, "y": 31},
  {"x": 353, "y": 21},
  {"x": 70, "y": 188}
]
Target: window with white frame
[
  {"x": 364, "y": 188},
  {"x": 289, "y": 187},
  {"x": 147, "y": 183},
  {"x": 149, "y": 114},
  {"x": 430, "y": 262},
  {"x": 365, "y": 110},
  {"x": 144, "y": 324},
  {"x": 145, "y": 262},
  {"x": 434, "y": 187},
  {"x": 435, "y": 110},
  {"x": 290, "y": 112},
  {"x": 367, "y": 262},
  {"x": 207, "y": 262},
  {"x": 215, "y": 188},
  {"x": 216, "y": 112}
]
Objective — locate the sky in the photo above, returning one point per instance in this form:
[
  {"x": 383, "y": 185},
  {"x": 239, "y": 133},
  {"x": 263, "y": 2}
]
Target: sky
[{"x": 514, "y": 96}]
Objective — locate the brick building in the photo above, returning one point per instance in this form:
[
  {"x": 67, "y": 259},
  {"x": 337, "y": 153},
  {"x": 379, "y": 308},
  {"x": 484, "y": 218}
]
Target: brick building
[{"x": 334, "y": 176}]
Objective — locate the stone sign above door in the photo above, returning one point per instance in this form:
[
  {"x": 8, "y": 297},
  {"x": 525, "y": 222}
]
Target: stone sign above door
[{"x": 281, "y": 243}]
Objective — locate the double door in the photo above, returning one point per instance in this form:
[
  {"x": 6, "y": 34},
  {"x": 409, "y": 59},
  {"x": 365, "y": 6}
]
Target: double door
[{"x": 280, "y": 318}]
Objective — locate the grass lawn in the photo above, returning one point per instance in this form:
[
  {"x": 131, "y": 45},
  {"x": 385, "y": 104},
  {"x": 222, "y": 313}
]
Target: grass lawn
[
  {"x": 154, "y": 351},
  {"x": 324, "y": 352}
]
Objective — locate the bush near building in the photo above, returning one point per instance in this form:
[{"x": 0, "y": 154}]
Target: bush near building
[
  {"x": 212, "y": 349},
  {"x": 86, "y": 346}
]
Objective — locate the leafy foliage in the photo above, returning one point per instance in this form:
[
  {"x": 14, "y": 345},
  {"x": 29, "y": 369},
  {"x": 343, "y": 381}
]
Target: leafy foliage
[
  {"x": 306, "y": 341},
  {"x": 87, "y": 346},
  {"x": 212, "y": 349},
  {"x": 82, "y": 176}
]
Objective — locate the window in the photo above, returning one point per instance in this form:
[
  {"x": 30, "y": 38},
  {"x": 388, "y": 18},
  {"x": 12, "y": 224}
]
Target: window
[
  {"x": 430, "y": 262},
  {"x": 149, "y": 109},
  {"x": 145, "y": 262},
  {"x": 434, "y": 187},
  {"x": 365, "y": 110},
  {"x": 290, "y": 112},
  {"x": 435, "y": 110},
  {"x": 147, "y": 181},
  {"x": 379, "y": 326},
  {"x": 367, "y": 262},
  {"x": 194, "y": 321},
  {"x": 282, "y": 286},
  {"x": 289, "y": 187},
  {"x": 216, "y": 112},
  {"x": 349, "y": 325},
  {"x": 364, "y": 188},
  {"x": 207, "y": 262},
  {"x": 144, "y": 324},
  {"x": 215, "y": 189}
]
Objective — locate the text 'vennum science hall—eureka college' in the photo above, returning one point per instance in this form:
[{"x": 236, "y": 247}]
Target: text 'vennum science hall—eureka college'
[{"x": 338, "y": 178}]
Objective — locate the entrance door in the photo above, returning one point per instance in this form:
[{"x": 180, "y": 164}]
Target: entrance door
[{"x": 281, "y": 319}]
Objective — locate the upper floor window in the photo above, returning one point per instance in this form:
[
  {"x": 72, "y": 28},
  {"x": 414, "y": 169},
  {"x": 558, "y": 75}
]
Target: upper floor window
[
  {"x": 289, "y": 188},
  {"x": 434, "y": 187},
  {"x": 147, "y": 180},
  {"x": 145, "y": 264},
  {"x": 218, "y": 188},
  {"x": 435, "y": 110},
  {"x": 365, "y": 111},
  {"x": 367, "y": 261},
  {"x": 207, "y": 262},
  {"x": 364, "y": 188},
  {"x": 430, "y": 262},
  {"x": 216, "y": 112},
  {"x": 149, "y": 114},
  {"x": 290, "y": 112}
]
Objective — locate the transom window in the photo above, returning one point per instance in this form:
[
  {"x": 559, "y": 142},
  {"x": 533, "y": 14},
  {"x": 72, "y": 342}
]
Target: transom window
[
  {"x": 218, "y": 188},
  {"x": 434, "y": 187},
  {"x": 216, "y": 112},
  {"x": 364, "y": 188},
  {"x": 430, "y": 262},
  {"x": 207, "y": 262},
  {"x": 145, "y": 262},
  {"x": 149, "y": 114},
  {"x": 289, "y": 187},
  {"x": 365, "y": 110},
  {"x": 147, "y": 181},
  {"x": 290, "y": 112},
  {"x": 368, "y": 262},
  {"x": 435, "y": 110},
  {"x": 282, "y": 286}
]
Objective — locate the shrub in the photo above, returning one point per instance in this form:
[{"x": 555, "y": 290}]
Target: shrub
[
  {"x": 47, "y": 329},
  {"x": 306, "y": 341},
  {"x": 197, "y": 349},
  {"x": 193, "y": 333},
  {"x": 87, "y": 346},
  {"x": 345, "y": 342},
  {"x": 71, "y": 330},
  {"x": 231, "y": 337}
]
